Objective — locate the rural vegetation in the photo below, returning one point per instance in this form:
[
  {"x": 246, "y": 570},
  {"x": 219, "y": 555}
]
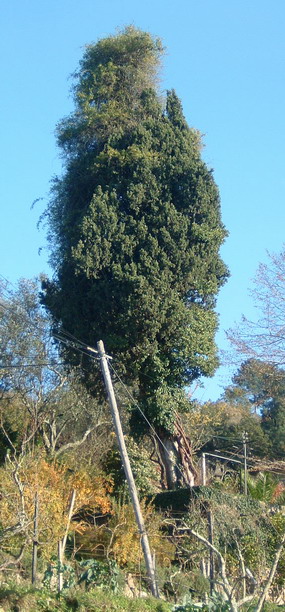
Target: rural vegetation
[{"x": 134, "y": 228}]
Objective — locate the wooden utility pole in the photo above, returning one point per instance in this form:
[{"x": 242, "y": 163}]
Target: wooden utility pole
[
  {"x": 127, "y": 468},
  {"x": 35, "y": 540}
]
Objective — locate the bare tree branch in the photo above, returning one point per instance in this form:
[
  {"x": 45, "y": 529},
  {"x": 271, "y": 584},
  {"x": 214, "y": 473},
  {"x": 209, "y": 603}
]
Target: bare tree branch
[
  {"x": 271, "y": 575},
  {"x": 69, "y": 445},
  {"x": 13, "y": 561}
]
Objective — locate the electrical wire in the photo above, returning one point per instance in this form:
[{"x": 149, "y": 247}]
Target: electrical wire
[
  {"x": 144, "y": 416},
  {"x": 26, "y": 318},
  {"x": 28, "y": 365},
  {"x": 85, "y": 351},
  {"x": 81, "y": 347},
  {"x": 148, "y": 422},
  {"x": 39, "y": 329}
]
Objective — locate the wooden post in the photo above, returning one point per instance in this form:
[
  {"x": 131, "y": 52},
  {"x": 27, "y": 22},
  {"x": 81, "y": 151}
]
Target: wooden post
[
  {"x": 70, "y": 512},
  {"x": 127, "y": 468},
  {"x": 210, "y": 538},
  {"x": 59, "y": 574},
  {"x": 35, "y": 540},
  {"x": 203, "y": 469}
]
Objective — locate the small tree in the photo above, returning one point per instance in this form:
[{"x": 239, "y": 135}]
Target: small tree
[
  {"x": 228, "y": 588},
  {"x": 22, "y": 477},
  {"x": 257, "y": 402},
  {"x": 245, "y": 546},
  {"x": 262, "y": 342},
  {"x": 41, "y": 401},
  {"x": 135, "y": 232}
]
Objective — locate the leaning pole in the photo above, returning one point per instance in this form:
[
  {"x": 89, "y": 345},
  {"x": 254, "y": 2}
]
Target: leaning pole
[{"x": 127, "y": 468}]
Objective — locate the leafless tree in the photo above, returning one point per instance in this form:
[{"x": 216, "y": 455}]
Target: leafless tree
[
  {"x": 264, "y": 338},
  {"x": 39, "y": 397}
]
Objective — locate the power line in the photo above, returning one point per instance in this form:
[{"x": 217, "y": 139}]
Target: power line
[
  {"x": 23, "y": 315},
  {"x": 81, "y": 347},
  {"x": 152, "y": 428},
  {"x": 28, "y": 365},
  {"x": 145, "y": 417},
  {"x": 36, "y": 326}
]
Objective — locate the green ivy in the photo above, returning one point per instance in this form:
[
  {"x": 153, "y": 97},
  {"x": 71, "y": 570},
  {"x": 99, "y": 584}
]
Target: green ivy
[
  {"x": 216, "y": 603},
  {"x": 100, "y": 574},
  {"x": 135, "y": 228}
]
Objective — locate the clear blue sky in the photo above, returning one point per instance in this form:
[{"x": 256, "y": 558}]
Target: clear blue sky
[{"x": 226, "y": 61}]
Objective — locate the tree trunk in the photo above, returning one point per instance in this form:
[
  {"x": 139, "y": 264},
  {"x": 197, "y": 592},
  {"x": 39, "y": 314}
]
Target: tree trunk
[{"x": 175, "y": 459}]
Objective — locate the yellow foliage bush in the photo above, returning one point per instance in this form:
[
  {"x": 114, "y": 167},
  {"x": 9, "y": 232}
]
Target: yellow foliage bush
[
  {"x": 120, "y": 539},
  {"x": 53, "y": 484}
]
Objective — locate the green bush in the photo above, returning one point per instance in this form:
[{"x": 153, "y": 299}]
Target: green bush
[
  {"x": 216, "y": 603},
  {"x": 15, "y": 598}
]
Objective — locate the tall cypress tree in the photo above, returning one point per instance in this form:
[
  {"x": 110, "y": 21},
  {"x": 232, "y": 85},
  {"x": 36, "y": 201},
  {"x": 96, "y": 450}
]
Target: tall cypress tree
[{"x": 135, "y": 231}]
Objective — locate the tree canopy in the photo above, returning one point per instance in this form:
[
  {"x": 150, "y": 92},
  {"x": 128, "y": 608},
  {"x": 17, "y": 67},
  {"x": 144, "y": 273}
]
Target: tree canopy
[
  {"x": 264, "y": 385},
  {"x": 135, "y": 226},
  {"x": 255, "y": 403}
]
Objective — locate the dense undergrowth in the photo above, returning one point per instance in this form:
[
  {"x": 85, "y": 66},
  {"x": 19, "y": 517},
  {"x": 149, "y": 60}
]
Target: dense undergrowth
[
  {"x": 15, "y": 598},
  {"x": 104, "y": 568},
  {"x": 26, "y": 599}
]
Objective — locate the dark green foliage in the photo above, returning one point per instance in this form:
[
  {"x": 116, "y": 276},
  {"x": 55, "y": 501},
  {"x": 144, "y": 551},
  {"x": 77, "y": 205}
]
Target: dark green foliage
[
  {"x": 179, "y": 501},
  {"x": 144, "y": 470},
  {"x": 232, "y": 431},
  {"x": 216, "y": 603},
  {"x": 56, "y": 567},
  {"x": 254, "y": 403},
  {"x": 135, "y": 225},
  {"x": 103, "y": 575}
]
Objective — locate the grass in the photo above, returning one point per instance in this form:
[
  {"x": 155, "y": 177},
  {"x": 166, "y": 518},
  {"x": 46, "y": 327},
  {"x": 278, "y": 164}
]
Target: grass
[{"x": 14, "y": 598}]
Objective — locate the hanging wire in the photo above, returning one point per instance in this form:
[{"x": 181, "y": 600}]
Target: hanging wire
[
  {"x": 28, "y": 365},
  {"x": 81, "y": 347},
  {"x": 25, "y": 318},
  {"x": 74, "y": 343},
  {"x": 149, "y": 424},
  {"x": 144, "y": 416}
]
